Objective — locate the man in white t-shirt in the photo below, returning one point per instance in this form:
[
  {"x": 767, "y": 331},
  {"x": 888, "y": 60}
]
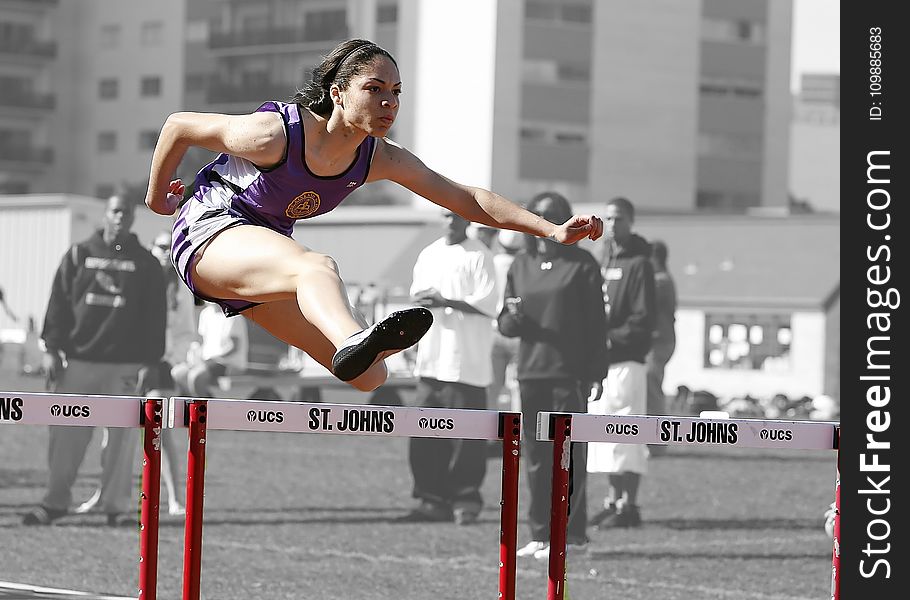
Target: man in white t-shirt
[
  {"x": 453, "y": 277},
  {"x": 224, "y": 348}
]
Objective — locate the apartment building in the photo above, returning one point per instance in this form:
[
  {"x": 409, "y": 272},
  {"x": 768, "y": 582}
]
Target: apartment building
[
  {"x": 28, "y": 54},
  {"x": 679, "y": 104},
  {"x": 815, "y": 142}
]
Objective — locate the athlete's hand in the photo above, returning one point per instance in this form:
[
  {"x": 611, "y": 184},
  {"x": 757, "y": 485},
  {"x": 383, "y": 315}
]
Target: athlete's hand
[
  {"x": 174, "y": 195},
  {"x": 579, "y": 227},
  {"x": 172, "y": 198}
]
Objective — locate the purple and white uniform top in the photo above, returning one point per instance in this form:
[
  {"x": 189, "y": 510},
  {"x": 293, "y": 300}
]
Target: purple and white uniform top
[{"x": 231, "y": 191}]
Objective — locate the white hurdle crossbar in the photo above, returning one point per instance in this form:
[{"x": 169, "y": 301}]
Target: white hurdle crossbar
[
  {"x": 564, "y": 428},
  {"x": 199, "y": 415},
  {"x": 30, "y": 408}
]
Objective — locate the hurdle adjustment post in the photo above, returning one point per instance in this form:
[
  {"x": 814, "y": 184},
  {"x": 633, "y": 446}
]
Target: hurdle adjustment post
[
  {"x": 195, "y": 475},
  {"x": 510, "y": 432},
  {"x": 151, "y": 420},
  {"x": 561, "y": 429}
]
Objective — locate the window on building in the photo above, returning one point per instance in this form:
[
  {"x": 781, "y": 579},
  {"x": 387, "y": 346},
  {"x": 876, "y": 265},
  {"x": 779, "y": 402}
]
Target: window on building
[
  {"x": 105, "y": 190},
  {"x": 107, "y": 141},
  {"x": 540, "y": 11},
  {"x": 568, "y": 12},
  {"x": 17, "y": 33},
  {"x": 577, "y": 13},
  {"x": 150, "y": 86},
  {"x": 716, "y": 29},
  {"x": 109, "y": 36},
  {"x": 197, "y": 31},
  {"x": 731, "y": 145},
  {"x": 108, "y": 89},
  {"x": 552, "y": 71},
  {"x": 329, "y": 24},
  {"x": 533, "y": 134},
  {"x": 14, "y": 187},
  {"x": 196, "y": 82},
  {"x": 740, "y": 88},
  {"x": 750, "y": 342},
  {"x": 147, "y": 139},
  {"x": 387, "y": 14},
  {"x": 151, "y": 33},
  {"x": 725, "y": 200},
  {"x": 573, "y": 72},
  {"x": 569, "y": 137}
]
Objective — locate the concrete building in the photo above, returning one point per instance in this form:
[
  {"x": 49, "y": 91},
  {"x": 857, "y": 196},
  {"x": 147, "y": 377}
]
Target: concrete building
[
  {"x": 28, "y": 95},
  {"x": 84, "y": 88},
  {"x": 677, "y": 104},
  {"x": 815, "y": 142}
]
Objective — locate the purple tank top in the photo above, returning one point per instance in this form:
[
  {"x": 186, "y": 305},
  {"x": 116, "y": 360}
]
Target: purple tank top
[{"x": 278, "y": 196}]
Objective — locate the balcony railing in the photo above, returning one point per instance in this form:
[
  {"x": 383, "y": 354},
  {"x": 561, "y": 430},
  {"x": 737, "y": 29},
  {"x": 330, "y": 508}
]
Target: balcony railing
[
  {"x": 274, "y": 36},
  {"x": 21, "y": 99},
  {"x": 26, "y": 154},
  {"x": 224, "y": 93},
  {"x": 28, "y": 47}
]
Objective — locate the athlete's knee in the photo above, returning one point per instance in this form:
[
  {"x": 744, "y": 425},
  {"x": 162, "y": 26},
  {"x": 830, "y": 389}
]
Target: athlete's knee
[{"x": 315, "y": 262}]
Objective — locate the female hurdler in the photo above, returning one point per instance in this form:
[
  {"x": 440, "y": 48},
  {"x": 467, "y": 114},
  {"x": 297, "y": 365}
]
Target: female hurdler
[{"x": 286, "y": 161}]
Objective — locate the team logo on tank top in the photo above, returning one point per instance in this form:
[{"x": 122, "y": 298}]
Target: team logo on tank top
[{"x": 303, "y": 205}]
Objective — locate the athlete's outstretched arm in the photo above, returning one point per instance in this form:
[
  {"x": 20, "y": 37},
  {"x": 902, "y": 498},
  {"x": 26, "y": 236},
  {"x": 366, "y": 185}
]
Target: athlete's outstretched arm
[
  {"x": 396, "y": 164},
  {"x": 258, "y": 137}
]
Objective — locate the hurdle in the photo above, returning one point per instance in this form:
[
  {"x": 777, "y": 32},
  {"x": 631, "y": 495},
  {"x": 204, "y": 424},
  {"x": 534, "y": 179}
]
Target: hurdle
[
  {"x": 200, "y": 415},
  {"x": 564, "y": 428},
  {"x": 29, "y": 408}
]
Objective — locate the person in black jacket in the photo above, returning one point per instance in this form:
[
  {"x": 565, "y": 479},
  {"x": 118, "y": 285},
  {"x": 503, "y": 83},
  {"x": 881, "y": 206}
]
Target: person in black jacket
[
  {"x": 554, "y": 304},
  {"x": 630, "y": 307},
  {"x": 104, "y": 333}
]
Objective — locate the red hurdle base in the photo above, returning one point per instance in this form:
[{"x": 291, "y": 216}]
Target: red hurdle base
[{"x": 151, "y": 418}]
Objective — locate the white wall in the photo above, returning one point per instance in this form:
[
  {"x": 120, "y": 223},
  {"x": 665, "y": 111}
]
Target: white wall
[
  {"x": 805, "y": 376},
  {"x": 456, "y": 44}
]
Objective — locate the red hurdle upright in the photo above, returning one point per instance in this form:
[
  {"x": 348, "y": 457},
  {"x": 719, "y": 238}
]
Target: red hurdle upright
[
  {"x": 151, "y": 419},
  {"x": 510, "y": 426},
  {"x": 240, "y": 415},
  {"x": 195, "y": 492}
]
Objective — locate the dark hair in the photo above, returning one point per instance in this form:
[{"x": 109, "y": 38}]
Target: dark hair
[
  {"x": 561, "y": 212},
  {"x": 346, "y": 61},
  {"x": 625, "y": 205}
]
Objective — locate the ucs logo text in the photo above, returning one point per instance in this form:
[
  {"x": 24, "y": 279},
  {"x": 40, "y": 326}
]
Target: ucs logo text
[
  {"x": 70, "y": 410},
  {"x": 622, "y": 428},
  {"x": 436, "y": 423},
  {"x": 779, "y": 435},
  {"x": 265, "y": 416}
]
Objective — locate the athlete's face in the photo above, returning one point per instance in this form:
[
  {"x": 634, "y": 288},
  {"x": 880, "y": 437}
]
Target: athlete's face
[{"x": 370, "y": 102}]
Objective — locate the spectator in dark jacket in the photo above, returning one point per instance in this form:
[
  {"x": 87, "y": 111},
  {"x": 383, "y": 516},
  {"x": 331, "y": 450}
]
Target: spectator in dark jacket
[
  {"x": 630, "y": 306},
  {"x": 104, "y": 333},
  {"x": 554, "y": 305}
]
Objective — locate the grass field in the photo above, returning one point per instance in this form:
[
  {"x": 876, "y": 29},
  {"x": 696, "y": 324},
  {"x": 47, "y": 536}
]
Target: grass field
[{"x": 296, "y": 516}]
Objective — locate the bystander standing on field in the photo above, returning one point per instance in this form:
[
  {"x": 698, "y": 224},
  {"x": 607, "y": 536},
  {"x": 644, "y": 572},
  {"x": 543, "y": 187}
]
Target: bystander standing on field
[
  {"x": 453, "y": 278},
  {"x": 104, "y": 333},
  {"x": 554, "y": 306},
  {"x": 629, "y": 300}
]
